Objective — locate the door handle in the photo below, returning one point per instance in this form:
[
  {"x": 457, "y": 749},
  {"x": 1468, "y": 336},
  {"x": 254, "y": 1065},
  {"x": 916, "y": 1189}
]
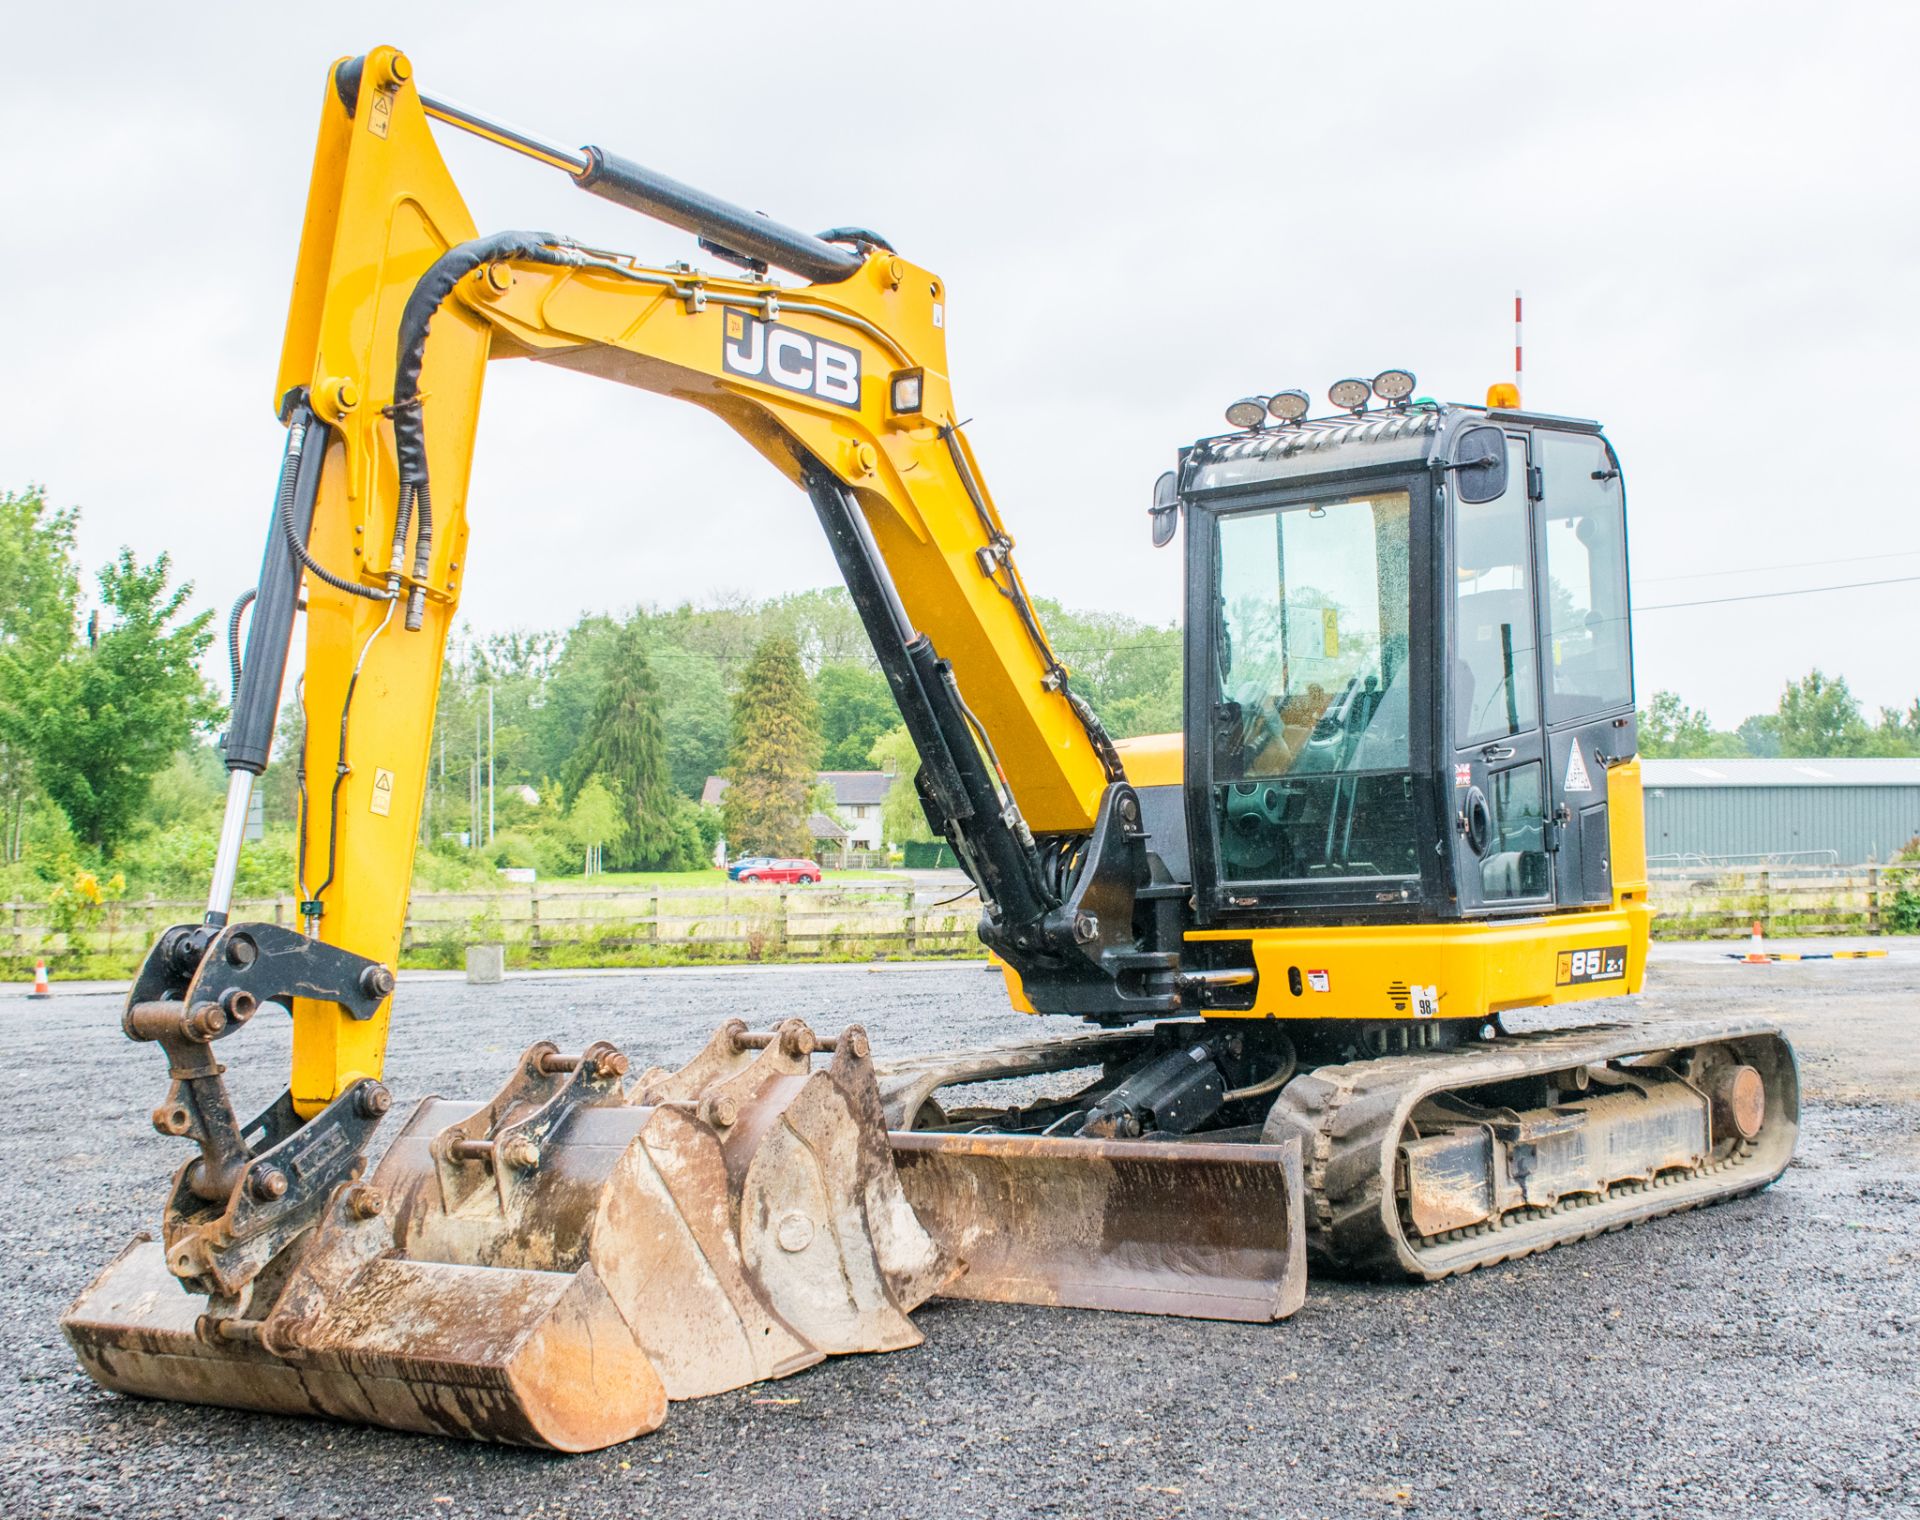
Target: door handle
[{"x": 1497, "y": 752}]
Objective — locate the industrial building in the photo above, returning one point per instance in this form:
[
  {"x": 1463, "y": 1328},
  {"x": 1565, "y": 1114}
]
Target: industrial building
[{"x": 1734, "y": 812}]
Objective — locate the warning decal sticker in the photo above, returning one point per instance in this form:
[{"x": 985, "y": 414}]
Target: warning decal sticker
[
  {"x": 382, "y": 804},
  {"x": 1577, "y": 778}
]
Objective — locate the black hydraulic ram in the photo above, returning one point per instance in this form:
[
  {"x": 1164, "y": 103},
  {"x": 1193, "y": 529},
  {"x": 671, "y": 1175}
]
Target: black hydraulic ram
[
  {"x": 256, "y": 700},
  {"x": 727, "y": 229},
  {"x": 723, "y": 227},
  {"x": 256, "y": 704}
]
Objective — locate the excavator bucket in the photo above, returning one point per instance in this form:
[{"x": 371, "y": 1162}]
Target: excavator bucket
[{"x": 554, "y": 1267}]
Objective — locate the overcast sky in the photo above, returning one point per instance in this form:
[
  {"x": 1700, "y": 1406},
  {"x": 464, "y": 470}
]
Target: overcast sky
[{"x": 1140, "y": 213}]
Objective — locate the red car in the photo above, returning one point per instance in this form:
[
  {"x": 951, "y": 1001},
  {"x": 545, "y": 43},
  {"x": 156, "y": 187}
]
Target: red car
[{"x": 781, "y": 870}]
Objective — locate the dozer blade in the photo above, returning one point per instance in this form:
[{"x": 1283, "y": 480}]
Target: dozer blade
[
  {"x": 553, "y": 1267},
  {"x": 1186, "y": 1227},
  {"x": 1151, "y": 1227}
]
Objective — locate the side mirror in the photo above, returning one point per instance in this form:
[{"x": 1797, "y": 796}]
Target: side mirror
[
  {"x": 1480, "y": 457},
  {"x": 1165, "y": 510}
]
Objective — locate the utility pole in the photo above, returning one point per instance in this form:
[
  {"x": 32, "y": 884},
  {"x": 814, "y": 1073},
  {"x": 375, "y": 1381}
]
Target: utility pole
[{"x": 489, "y": 764}]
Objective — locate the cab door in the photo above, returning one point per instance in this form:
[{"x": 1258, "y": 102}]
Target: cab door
[
  {"x": 1587, "y": 650},
  {"x": 1499, "y": 783}
]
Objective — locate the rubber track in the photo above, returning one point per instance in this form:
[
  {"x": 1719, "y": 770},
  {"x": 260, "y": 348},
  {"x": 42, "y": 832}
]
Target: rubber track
[{"x": 1350, "y": 1118}]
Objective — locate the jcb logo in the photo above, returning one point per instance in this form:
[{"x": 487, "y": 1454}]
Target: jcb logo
[{"x": 793, "y": 360}]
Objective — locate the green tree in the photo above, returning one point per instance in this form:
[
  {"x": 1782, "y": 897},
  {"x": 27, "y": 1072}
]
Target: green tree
[
  {"x": 39, "y": 596},
  {"x": 189, "y": 792},
  {"x": 697, "y": 714},
  {"x": 823, "y": 626},
  {"x": 902, "y": 819},
  {"x": 1128, "y": 670},
  {"x": 1669, "y": 727},
  {"x": 280, "y": 787},
  {"x": 569, "y": 692},
  {"x": 856, "y": 708},
  {"x": 1760, "y": 735},
  {"x": 774, "y": 762},
  {"x": 113, "y": 714},
  {"x": 1897, "y": 733},
  {"x": 593, "y": 819},
  {"x": 1820, "y": 716},
  {"x": 625, "y": 747}
]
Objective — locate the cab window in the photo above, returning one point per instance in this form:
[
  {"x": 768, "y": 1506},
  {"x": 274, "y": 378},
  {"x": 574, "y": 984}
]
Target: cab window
[
  {"x": 1495, "y": 689},
  {"x": 1589, "y": 652},
  {"x": 1312, "y": 710}
]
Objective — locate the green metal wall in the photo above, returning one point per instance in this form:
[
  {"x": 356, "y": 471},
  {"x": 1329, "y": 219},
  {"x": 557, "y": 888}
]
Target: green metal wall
[{"x": 1855, "y": 823}]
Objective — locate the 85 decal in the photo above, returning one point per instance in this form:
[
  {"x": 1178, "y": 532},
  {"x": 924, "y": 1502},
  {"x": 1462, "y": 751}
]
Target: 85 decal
[{"x": 1608, "y": 963}]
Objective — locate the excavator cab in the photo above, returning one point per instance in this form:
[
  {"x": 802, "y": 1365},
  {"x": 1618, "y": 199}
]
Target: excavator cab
[
  {"x": 1408, "y": 789},
  {"x": 1409, "y": 668}
]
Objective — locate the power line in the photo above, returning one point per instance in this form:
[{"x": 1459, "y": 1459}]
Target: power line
[
  {"x": 1805, "y": 564},
  {"x": 1762, "y": 596}
]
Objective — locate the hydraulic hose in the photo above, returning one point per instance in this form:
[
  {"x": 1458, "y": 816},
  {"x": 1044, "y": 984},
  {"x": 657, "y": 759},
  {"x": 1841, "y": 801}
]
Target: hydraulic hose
[
  {"x": 409, "y": 427},
  {"x": 319, "y": 571},
  {"x": 241, "y": 603},
  {"x": 428, "y": 295},
  {"x": 998, "y": 551},
  {"x": 1271, "y": 1084}
]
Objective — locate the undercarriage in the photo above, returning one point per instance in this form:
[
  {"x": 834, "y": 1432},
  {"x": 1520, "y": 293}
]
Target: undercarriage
[
  {"x": 1427, "y": 1149},
  {"x": 676, "y": 1234}
]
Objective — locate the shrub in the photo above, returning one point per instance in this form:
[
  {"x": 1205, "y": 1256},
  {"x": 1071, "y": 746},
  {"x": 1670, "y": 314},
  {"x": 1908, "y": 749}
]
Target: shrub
[
  {"x": 1901, "y": 907},
  {"x": 516, "y": 849}
]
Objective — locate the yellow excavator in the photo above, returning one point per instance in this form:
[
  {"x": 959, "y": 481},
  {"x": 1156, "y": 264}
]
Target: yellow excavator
[{"x": 1405, "y": 804}]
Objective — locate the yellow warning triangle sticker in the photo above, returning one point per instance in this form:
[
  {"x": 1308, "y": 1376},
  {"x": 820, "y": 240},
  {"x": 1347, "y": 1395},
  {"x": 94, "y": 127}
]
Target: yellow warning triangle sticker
[{"x": 1577, "y": 778}]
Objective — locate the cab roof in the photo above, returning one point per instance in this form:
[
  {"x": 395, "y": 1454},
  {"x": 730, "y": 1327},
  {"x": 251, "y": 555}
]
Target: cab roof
[{"x": 1336, "y": 446}]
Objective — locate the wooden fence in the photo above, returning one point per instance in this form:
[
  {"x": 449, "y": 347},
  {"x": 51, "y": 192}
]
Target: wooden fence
[
  {"x": 613, "y": 925},
  {"x": 627, "y": 925},
  {"x": 1709, "y": 902}
]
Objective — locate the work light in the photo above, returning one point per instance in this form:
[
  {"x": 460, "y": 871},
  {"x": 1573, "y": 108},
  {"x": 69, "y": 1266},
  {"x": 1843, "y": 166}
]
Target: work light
[
  {"x": 1350, "y": 395},
  {"x": 1289, "y": 406},
  {"x": 1393, "y": 384},
  {"x": 1248, "y": 412},
  {"x": 906, "y": 391}
]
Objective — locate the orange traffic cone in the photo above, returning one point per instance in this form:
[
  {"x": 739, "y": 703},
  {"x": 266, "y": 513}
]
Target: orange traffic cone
[
  {"x": 1757, "y": 956},
  {"x": 40, "y": 987}
]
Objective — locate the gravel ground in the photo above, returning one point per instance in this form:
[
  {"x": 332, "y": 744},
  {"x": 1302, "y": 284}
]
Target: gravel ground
[{"x": 1759, "y": 1358}]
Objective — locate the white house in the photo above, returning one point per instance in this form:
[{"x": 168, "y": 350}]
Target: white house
[{"x": 857, "y": 800}]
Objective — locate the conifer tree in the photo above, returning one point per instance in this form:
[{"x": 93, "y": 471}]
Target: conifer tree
[
  {"x": 773, "y": 765},
  {"x": 625, "y": 747}
]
